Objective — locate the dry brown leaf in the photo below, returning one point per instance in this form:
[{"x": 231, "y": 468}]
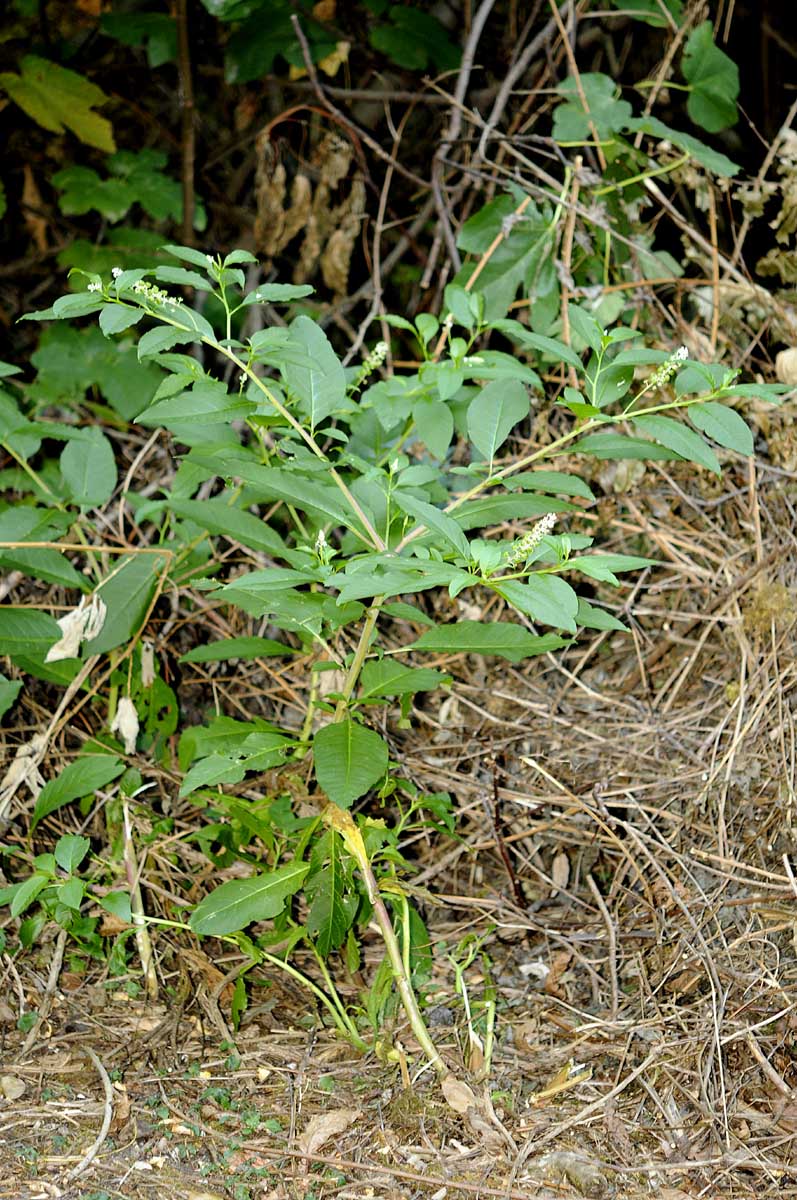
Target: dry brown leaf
[
  {"x": 560, "y": 871},
  {"x": 12, "y": 1086},
  {"x": 32, "y": 200},
  {"x": 121, "y": 1108},
  {"x": 324, "y": 10},
  {"x": 458, "y": 1095},
  {"x": 323, "y": 1126}
]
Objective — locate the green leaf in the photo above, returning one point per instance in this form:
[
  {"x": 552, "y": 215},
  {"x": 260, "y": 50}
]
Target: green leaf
[
  {"x": 82, "y": 777},
  {"x": 155, "y": 341},
  {"x": 58, "y": 99},
  {"x": 186, "y": 278},
  {"x": 552, "y": 481},
  {"x": 434, "y": 422},
  {"x": 209, "y": 772},
  {"x": 652, "y": 12},
  {"x": 278, "y": 293},
  {"x": 25, "y": 631},
  {"x": 116, "y": 317},
  {"x": 678, "y": 437},
  {"x": 715, "y": 81},
  {"x": 241, "y": 647},
  {"x": 224, "y": 735},
  {"x": 88, "y": 467},
  {"x": 433, "y": 519},
  {"x": 80, "y": 305},
  {"x": 590, "y": 617},
  {"x": 157, "y": 32},
  {"x": 544, "y": 598},
  {"x": 320, "y": 386},
  {"x": 723, "y": 425},
  {"x": 554, "y": 350},
  {"x": 349, "y": 759},
  {"x": 494, "y": 510},
  {"x": 605, "y": 111},
  {"x": 712, "y": 160},
  {"x": 386, "y": 677},
  {"x": 498, "y": 638},
  {"x": 218, "y": 517},
  {"x": 281, "y": 483},
  {"x": 618, "y": 446},
  {"x": 603, "y": 566},
  {"x": 188, "y": 254},
  {"x": 207, "y": 403},
  {"x": 9, "y": 690},
  {"x": 331, "y": 914},
  {"x": 236, "y": 904},
  {"x": 26, "y": 523},
  {"x": 117, "y": 903},
  {"x": 70, "y": 850},
  {"x": 494, "y": 413},
  {"x": 127, "y": 593},
  {"x": 25, "y": 893},
  {"x": 413, "y": 39},
  {"x": 254, "y": 591}
]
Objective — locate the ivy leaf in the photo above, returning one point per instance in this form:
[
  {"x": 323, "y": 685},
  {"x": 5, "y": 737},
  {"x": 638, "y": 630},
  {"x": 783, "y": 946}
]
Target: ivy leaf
[
  {"x": 58, "y": 99},
  {"x": 606, "y": 112},
  {"x": 715, "y": 81},
  {"x": 349, "y": 759}
]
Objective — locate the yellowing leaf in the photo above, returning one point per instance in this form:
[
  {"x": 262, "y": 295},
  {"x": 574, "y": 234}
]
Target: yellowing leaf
[{"x": 58, "y": 99}]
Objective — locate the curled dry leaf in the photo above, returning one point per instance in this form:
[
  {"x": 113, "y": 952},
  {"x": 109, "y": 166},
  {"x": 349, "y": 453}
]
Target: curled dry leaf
[
  {"x": 324, "y": 1126},
  {"x": 125, "y": 723},
  {"x": 457, "y": 1094},
  {"x": 80, "y": 625}
]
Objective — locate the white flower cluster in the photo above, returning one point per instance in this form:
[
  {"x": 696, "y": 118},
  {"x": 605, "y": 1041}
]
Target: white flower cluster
[
  {"x": 155, "y": 295},
  {"x": 520, "y": 550},
  {"x": 668, "y": 368},
  {"x": 94, "y": 287},
  {"x": 376, "y": 357}
]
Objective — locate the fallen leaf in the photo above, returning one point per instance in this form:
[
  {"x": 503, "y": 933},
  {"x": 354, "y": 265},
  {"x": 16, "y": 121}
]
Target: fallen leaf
[
  {"x": 12, "y": 1086},
  {"x": 323, "y": 1126},
  {"x": 458, "y": 1095}
]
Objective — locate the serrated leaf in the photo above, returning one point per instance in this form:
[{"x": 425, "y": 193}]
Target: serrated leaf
[
  {"x": 494, "y": 413},
  {"x": 723, "y": 425},
  {"x": 680, "y": 438},
  {"x": 349, "y": 759},
  {"x": 88, "y": 467},
  {"x": 240, "y": 902},
  {"x": 82, "y": 777},
  {"x": 497, "y": 638},
  {"x": 320, "y": 386},
  {"x": 59, "y": 99}
]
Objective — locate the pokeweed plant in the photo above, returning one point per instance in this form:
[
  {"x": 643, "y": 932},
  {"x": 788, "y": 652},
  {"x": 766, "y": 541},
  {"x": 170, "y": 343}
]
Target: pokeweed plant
[{"x": 345, "y": 487}]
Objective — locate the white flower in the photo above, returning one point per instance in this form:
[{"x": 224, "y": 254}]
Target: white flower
[
  {"x": 116, "y": 272},
  {"x": 520, "y": 550},
  {"x": 94, "y": 287}
]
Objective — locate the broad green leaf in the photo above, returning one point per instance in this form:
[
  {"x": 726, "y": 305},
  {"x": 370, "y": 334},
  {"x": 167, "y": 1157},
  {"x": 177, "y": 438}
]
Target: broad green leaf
[
  {"x": 253, "y": 591},
  {"x": 207, "y": 403},
  {"x": 23, "y": 894},
  {"x": 278, "y": 293},
  {"x": 680, "y": 438},
  {"x": 434, "y": 422},
  {"x": 127, "y": 593},
  {"x": 241, "y": 647},
  {"x": 605, "y": 111},
  {"x": 712, "y": 160},
  {"x": 433, "y": 519},
  {"x": 224, "y": 735},
  {"x": 544, "y": 598},
  {"x": 9, "y": 690},
  {"x": 617, "y": 445},
  {"x": 557, "y": 351},
  {"x": 557, "y": 482},
  {"x": 714, "y": 80},
  {"x": 218, "y": 517},
  {"x": 604, "y": 566},
  {"x": 59, "y": 99},
  {"x": 82, "y": 777},
  {"x": 116, "y": 317},
  {"x": 156, "y": 31},
  {"x": 70, "y": 850},
  {"x": 415, "y": 576},
  {"x": 188, "y": 254},
  {"x": 497, "y": 638},
  {"x": 26, "y": 631},
  {"x": 331, "y": 914},
  {"x": 88, "y": 467},
  {"x": 349, "y": 759},
  {"x": 494, "y": 413},
  {"x": 117, "y": 903},
  {"x": 155, "y": 341},
  {"x": 187, "y": 278},
  {"x": 652, "y": 12},
  {"x": 407, "y": 612},
  {"x": 494, "y": 510},
  {"x": 209, "y": 772},
  {"x": 281, "y": 483},
  {"x": 591, "y": 617},
  {"x": 320, "y": 386},
  {"x": 71, "y": 361},
  {"x": 586, "y": 328},
  {"x": 81, "y": 304},
  {"x": 240, "y": 902},
  {"x": 386, "y": 677},
  {"x": 723, "y": 425},
  {"x": 27, "y": 523}
]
